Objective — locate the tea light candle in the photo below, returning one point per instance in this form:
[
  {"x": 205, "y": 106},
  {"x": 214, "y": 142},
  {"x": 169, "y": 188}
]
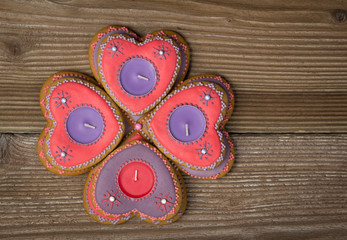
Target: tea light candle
[
  {"x": 136, "y": 179},
  {"x": 84, "y": 125},
  {"x": 137, "y": 76},
  {"x": 187, "y": 123}
]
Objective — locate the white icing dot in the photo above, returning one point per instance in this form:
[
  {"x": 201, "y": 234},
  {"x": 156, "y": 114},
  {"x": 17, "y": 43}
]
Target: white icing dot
[
  {"x": 62, "y": 154},
  {"x": 207, "y": 97},
  {"x": 63, "y": 100},
  {"x": 112, "y": 199},
  {"x": 163, "y": 201},
  {"x": 203, "y": 151},
  {"x": 161, "y": 52},
  {"x": 114, "y": 48}
]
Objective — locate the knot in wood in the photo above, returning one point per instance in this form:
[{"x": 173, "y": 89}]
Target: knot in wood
[
  {"x": 339, "y": 15},
  {"x": 14, "y": 49}
]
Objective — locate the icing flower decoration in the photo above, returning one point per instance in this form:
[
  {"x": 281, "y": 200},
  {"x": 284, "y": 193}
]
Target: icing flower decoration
[{"x": 136, "y": 126}]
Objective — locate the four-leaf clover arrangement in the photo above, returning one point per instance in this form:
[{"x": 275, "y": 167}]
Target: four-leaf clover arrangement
[{"x": 136, "y": 126}]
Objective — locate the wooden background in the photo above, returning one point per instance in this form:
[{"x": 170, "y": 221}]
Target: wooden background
[{"x": 287, "y": 63}]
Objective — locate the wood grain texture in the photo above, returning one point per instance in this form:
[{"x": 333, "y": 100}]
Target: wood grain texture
[
  {"x": 281, "y": 187},
  {"x": 287, "y": 64},
  {"x": 286, "y": 61}
]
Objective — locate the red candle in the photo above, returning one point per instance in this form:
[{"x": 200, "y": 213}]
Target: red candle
[{"x": 136, "y": 179}]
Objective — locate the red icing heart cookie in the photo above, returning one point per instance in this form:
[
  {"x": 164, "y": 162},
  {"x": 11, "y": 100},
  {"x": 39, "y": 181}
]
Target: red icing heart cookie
[
  {"x": 187, "y": 126},
  {"x": 43, "y": 102},
  {"x": 135, "y": 180},
  {"x": 83, "y": 124},
  {"x": 138, "y": 73}
]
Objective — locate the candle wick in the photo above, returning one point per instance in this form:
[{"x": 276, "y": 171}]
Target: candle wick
[
  {"x": 89, "y": 125},
  {"x": 142, "y": 77},
  {"x": 135, "y": 175},
  {"x": 187, "y": 130}
]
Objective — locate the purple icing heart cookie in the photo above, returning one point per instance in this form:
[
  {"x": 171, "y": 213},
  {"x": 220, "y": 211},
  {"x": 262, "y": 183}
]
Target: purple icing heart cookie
[{"x": 135, "y": 180}]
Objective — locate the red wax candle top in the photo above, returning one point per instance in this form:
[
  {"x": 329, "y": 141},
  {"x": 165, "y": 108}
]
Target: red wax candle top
[{"x": 136, "y": 179}]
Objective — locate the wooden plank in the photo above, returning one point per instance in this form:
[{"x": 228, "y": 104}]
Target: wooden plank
[
  {"x": 286, "y": 61},
  {"x": 282, "y": 186},
  {"x": 254, "y": 112}
]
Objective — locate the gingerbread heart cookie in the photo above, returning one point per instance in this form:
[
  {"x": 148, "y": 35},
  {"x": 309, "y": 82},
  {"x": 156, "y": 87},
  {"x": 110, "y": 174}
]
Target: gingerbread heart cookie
[
  {"x": 138, "y": 73},
  {"x": 83, "y": 124},
  {"x": 135, "y": 180},
  {"x": 188, "y": 125}
]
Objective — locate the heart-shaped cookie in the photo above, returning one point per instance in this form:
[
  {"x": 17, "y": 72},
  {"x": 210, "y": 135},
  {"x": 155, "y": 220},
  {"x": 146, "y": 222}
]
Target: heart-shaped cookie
[
  {"x": 134, "y": 180},
  {"x": 187, "y": 126},
  {"x": 138, "y": 73},
  {"x": 83, "y": 125},
  {"x": 44, "y": 132}
]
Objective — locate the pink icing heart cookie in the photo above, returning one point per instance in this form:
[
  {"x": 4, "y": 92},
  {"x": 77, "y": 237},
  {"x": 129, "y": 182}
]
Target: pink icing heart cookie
[
  {"x": 138, "y": 73},
  {"x": 188, "y": 126},
  {"x": 135, "y": 180},
  {"x": 83, "y": 124}
]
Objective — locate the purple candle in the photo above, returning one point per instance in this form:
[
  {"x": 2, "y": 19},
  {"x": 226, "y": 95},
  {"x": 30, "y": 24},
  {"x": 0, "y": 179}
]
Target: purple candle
[
  {"x": 187, "y": 123},
  {"x": 138, "y": 76},
  {"x": 84, "y": 125}
]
